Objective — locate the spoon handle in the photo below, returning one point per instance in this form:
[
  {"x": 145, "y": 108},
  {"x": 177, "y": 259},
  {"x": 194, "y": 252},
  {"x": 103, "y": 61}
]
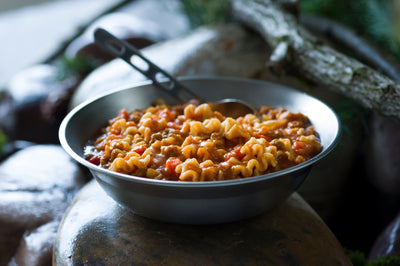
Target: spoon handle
[{"x": 135, "y": 58}]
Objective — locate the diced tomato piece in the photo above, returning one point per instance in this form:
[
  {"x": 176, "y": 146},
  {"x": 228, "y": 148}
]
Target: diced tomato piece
[
  {"x": 95, "y": 160},
  {"x": 267, "y": 138},
  {"x": 171, "y": 165},
  {"x": 139, "y": 149},
  {"x": 235, "y": 153},
  {"x": 298, "y": 145},
  {"x": 174, "y": 125},
  {"x": 194, "y": 102},
  {"x": 302, "y": 148},
  {"x": 121, "y": 114},
  {"x": 167, "y": 114}
]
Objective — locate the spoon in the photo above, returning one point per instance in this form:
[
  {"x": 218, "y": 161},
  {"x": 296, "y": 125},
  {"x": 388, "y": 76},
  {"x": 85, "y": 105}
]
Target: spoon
[{"x": 131, "y": 55}]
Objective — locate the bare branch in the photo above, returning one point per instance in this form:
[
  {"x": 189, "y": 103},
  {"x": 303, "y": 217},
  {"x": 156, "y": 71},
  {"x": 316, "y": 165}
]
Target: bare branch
[{"x": 317, "y": 62}]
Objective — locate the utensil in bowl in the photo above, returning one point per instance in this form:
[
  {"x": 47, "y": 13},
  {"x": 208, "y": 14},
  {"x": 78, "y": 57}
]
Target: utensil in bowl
[
  {"x": 119, "y": 48},
  {"x": 198, "y": 202}
]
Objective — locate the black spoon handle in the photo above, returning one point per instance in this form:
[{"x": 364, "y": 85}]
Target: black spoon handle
[{"x": 135, "y": 58}]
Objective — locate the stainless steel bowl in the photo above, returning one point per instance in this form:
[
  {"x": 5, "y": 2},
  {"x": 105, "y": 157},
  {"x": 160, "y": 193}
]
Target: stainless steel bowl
[{"x": 198, "y": 202}]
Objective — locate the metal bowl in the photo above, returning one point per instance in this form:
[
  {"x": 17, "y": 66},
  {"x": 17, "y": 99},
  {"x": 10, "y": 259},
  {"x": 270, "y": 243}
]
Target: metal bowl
[{"x": 198, "y": 202}]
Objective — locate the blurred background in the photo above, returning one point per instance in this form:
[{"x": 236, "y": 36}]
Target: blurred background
[
  {"x": 30, "y": 30},
  {"x": 33, "y": 32},
  {"x": 10, "y": 5}
]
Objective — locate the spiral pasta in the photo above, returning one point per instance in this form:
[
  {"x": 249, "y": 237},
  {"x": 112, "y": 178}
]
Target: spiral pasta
[{"x": 194, "y": 143}]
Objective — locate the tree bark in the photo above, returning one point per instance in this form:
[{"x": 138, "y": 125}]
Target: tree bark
[
  {"x": 296, "y": 49},
  {"x": 344, "y": 37}
]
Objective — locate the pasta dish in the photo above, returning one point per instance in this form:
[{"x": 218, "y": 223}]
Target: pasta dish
[{"x": 194, "y": 143}]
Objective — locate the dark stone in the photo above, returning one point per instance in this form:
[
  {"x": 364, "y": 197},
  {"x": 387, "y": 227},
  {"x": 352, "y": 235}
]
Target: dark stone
[
  {"x": 382, "y": 155},
  {"x": 96, "y": 230},
  {"x": 388, "y": 242},
  {"x": 37, "y": 185},
  {"x": 136, "y": 31},
  {"x": 36, "y": 246},
  {"x": 22, "y": 117}
]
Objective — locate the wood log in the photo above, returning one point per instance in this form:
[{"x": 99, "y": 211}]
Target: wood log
[{"x": 297, "y": 50}]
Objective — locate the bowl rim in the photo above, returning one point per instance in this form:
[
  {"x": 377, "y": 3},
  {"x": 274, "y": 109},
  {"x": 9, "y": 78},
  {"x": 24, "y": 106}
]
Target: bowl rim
[{"x": 170, "y": 183}]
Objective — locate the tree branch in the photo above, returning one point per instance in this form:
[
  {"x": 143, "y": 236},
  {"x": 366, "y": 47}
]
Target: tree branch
[
  {"x": 363, "y": 49},
  {"x": 317, "y": 62}
]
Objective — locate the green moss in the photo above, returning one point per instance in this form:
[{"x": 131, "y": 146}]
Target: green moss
[{"x": 385, "y": 261}]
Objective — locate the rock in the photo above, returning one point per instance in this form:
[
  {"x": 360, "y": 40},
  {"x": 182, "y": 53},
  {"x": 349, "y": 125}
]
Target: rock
[
  {"x": 7, "y": 114},
  {"x": 11, "y": 147},
  {"x": 161, "y": 13},
  {"x": 22, "y": 116},
  {"x": 140, "y": 22},
  {"x": 37, "y": 185},
  {"x": 32, "y": 84},
  {"x": 382, "y": 155},
  {"x": 36, "y": 99},
  {"x": 138, "y": 32},
  {"x": 36, "y": 246},
  {"x": 388, "y": 241},
  {"x": 96, "y": 230}
]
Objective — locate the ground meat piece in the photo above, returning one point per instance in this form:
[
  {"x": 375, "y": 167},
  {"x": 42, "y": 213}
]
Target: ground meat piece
[{"x": 170, "y": 151}]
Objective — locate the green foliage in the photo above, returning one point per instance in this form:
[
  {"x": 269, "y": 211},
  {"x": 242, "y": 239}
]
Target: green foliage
[
  {"x": 68, "y": 67},
  {"x": 358, "y": 259},
  {"x": 375, "y": 19},
  {"x": 385, "y": 261},
  {"x": 3, "y": 140},
  {"x": 201, "y": 12},
  {"x": 3, "y": 137}
]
